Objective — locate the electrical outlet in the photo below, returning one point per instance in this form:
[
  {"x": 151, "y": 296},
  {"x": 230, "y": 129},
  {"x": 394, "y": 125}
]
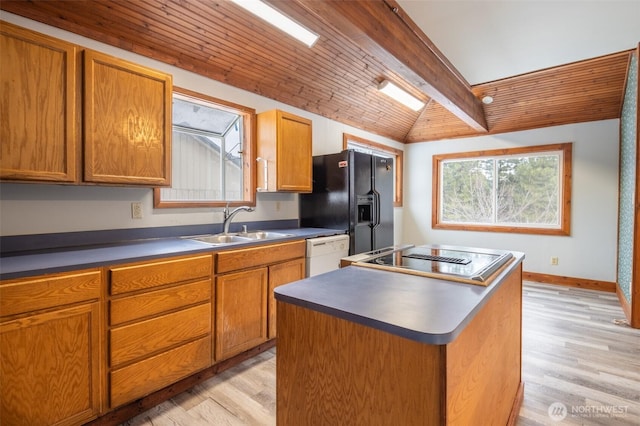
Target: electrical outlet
[
  {"x": 554, "y": 261},
  {"x": 136, "y": 210}
]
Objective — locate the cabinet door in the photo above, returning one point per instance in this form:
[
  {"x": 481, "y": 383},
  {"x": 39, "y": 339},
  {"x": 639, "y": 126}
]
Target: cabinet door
[
  {"x": 127, "y": 122},
  {"x": 284, "y": 150},
  {"x": 49, "y": 367},
  {"x": 241, "y": 312},
  {"x": 280, "y": 274},
  {"x": 38, "y": 117},
  {"x": 294, "y": 167}
]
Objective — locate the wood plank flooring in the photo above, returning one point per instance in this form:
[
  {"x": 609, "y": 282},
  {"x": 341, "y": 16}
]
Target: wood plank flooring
[
  {"x": 573, "y": 353},
  {"x": 575, "y": 359}
]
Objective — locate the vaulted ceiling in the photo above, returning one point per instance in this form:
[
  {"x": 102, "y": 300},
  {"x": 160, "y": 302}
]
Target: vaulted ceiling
[{"x": 361, "y": 43}]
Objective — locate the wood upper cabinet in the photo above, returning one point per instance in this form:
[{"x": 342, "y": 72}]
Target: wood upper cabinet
[
  {"x": 38, "y": 107},
  {"x": 284, "y": 152},
  {"x": 115, "y": 118},
  {"x": 127, "y": 122},
  {"x": 160, "y": 324},
  {"x": 51, "y": 349}
]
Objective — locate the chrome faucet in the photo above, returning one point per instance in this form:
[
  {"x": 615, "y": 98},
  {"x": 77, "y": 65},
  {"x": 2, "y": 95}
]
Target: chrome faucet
[{"x": 228, "y": 216}]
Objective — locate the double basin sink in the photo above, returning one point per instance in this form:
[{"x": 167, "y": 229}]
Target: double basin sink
[{"x": 239, "y": 237}]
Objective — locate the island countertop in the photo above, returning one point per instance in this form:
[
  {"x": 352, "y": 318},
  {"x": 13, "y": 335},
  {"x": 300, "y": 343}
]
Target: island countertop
[{"x": 424, "y": 309}]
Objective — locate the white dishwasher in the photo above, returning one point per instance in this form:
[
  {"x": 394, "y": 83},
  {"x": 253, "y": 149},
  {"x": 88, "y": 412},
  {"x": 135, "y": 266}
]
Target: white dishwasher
[{"x": 324, "y": 253}]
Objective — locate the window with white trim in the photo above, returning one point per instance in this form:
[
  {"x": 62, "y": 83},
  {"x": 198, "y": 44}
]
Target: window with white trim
[{"x": 211, "y": 153}]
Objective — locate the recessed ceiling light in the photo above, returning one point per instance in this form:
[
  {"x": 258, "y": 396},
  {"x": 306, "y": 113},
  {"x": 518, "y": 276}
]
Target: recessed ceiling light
[
  {"x": 487, "y": 99},
  {"x": 278, "y": 20},
  {"x": 393, "y": 91}
]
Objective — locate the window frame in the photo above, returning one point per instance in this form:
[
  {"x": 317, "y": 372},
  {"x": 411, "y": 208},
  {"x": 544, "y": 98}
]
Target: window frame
[
  {"x": 565, "y": 187},
  {"x": 399, "y": 161},
  {"x": 248, "y": 156}
]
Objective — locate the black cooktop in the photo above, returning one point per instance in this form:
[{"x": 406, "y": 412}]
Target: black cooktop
[{"x": 469, "y": 264}]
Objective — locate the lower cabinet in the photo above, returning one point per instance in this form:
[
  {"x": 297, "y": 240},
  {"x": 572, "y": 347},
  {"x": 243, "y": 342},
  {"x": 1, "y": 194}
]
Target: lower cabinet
[
  {"x": 51, "y": 349},
  {"x": 279, "y": 274},
  {"x": 241, "y": 311},
  {"x": 160, "y": 324},
  {"x": 245, "y": 309},
  {"x": 76, "y": 345}
]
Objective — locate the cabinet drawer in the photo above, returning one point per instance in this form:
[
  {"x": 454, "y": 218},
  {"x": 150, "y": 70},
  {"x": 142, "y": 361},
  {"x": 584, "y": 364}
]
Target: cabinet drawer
[
  {"x": 149, "y": 275},
  {"x": 144, "y": 338},
  {"x": 142, "y": 378},
  {"x": 256, "y": 256},
  {"x": 155, "y": 302},
  {"x": 27, "y": 295}
]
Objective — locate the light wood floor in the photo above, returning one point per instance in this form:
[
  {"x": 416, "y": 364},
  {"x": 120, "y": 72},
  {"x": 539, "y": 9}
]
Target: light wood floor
[{"x": 573, "y": 354}]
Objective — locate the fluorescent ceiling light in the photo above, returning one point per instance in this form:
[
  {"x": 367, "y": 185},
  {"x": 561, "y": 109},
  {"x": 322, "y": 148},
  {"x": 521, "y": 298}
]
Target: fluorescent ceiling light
[
  {"x": 277, "y": 19},
  {"x": 393, "y": 91}
]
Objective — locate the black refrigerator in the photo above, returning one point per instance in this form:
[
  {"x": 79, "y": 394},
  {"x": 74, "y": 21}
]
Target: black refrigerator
[{"x": 352, "y": 191}]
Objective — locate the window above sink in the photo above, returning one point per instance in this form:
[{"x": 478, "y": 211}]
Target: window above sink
[{"x": 212, "y": 153}]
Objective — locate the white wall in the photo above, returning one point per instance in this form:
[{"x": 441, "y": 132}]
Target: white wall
[
  {"x": 589, "y": 252},
  {"x": 35, "y": 208}
]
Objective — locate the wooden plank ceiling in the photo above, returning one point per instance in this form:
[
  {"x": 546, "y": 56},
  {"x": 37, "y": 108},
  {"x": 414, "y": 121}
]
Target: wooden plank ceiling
[
  {"x": 338, "y": 77},
  {"x": 589, "y": 90}
]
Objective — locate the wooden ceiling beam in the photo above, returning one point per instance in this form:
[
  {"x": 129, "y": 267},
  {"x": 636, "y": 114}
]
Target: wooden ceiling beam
[{"x": 384, "y": 31}]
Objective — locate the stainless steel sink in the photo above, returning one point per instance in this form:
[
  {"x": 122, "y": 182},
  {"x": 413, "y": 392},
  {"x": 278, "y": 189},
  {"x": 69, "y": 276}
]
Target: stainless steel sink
[
  {"x": 221, "y": 239},
  {"x": 238, "y": 237},
  {"x": 263, "y": 235}
]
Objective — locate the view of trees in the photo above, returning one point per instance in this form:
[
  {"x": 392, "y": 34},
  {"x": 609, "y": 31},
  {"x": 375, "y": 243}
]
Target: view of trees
[
  {"x": 467, "y": 191},
  {"x": 526, "y": 191}
]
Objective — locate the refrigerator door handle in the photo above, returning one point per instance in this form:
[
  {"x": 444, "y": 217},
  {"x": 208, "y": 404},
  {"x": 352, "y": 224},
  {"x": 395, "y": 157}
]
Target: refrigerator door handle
[{"x": 376, "y": 208}]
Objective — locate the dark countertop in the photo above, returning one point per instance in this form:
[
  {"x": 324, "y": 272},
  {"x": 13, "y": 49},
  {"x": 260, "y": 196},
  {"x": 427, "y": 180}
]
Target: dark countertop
[
  {"x": 428, "y": 310},
  {"x": 74, "y": 258}
]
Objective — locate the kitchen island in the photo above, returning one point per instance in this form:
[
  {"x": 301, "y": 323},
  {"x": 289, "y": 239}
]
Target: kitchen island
[{"x": 363, "y": 346}]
